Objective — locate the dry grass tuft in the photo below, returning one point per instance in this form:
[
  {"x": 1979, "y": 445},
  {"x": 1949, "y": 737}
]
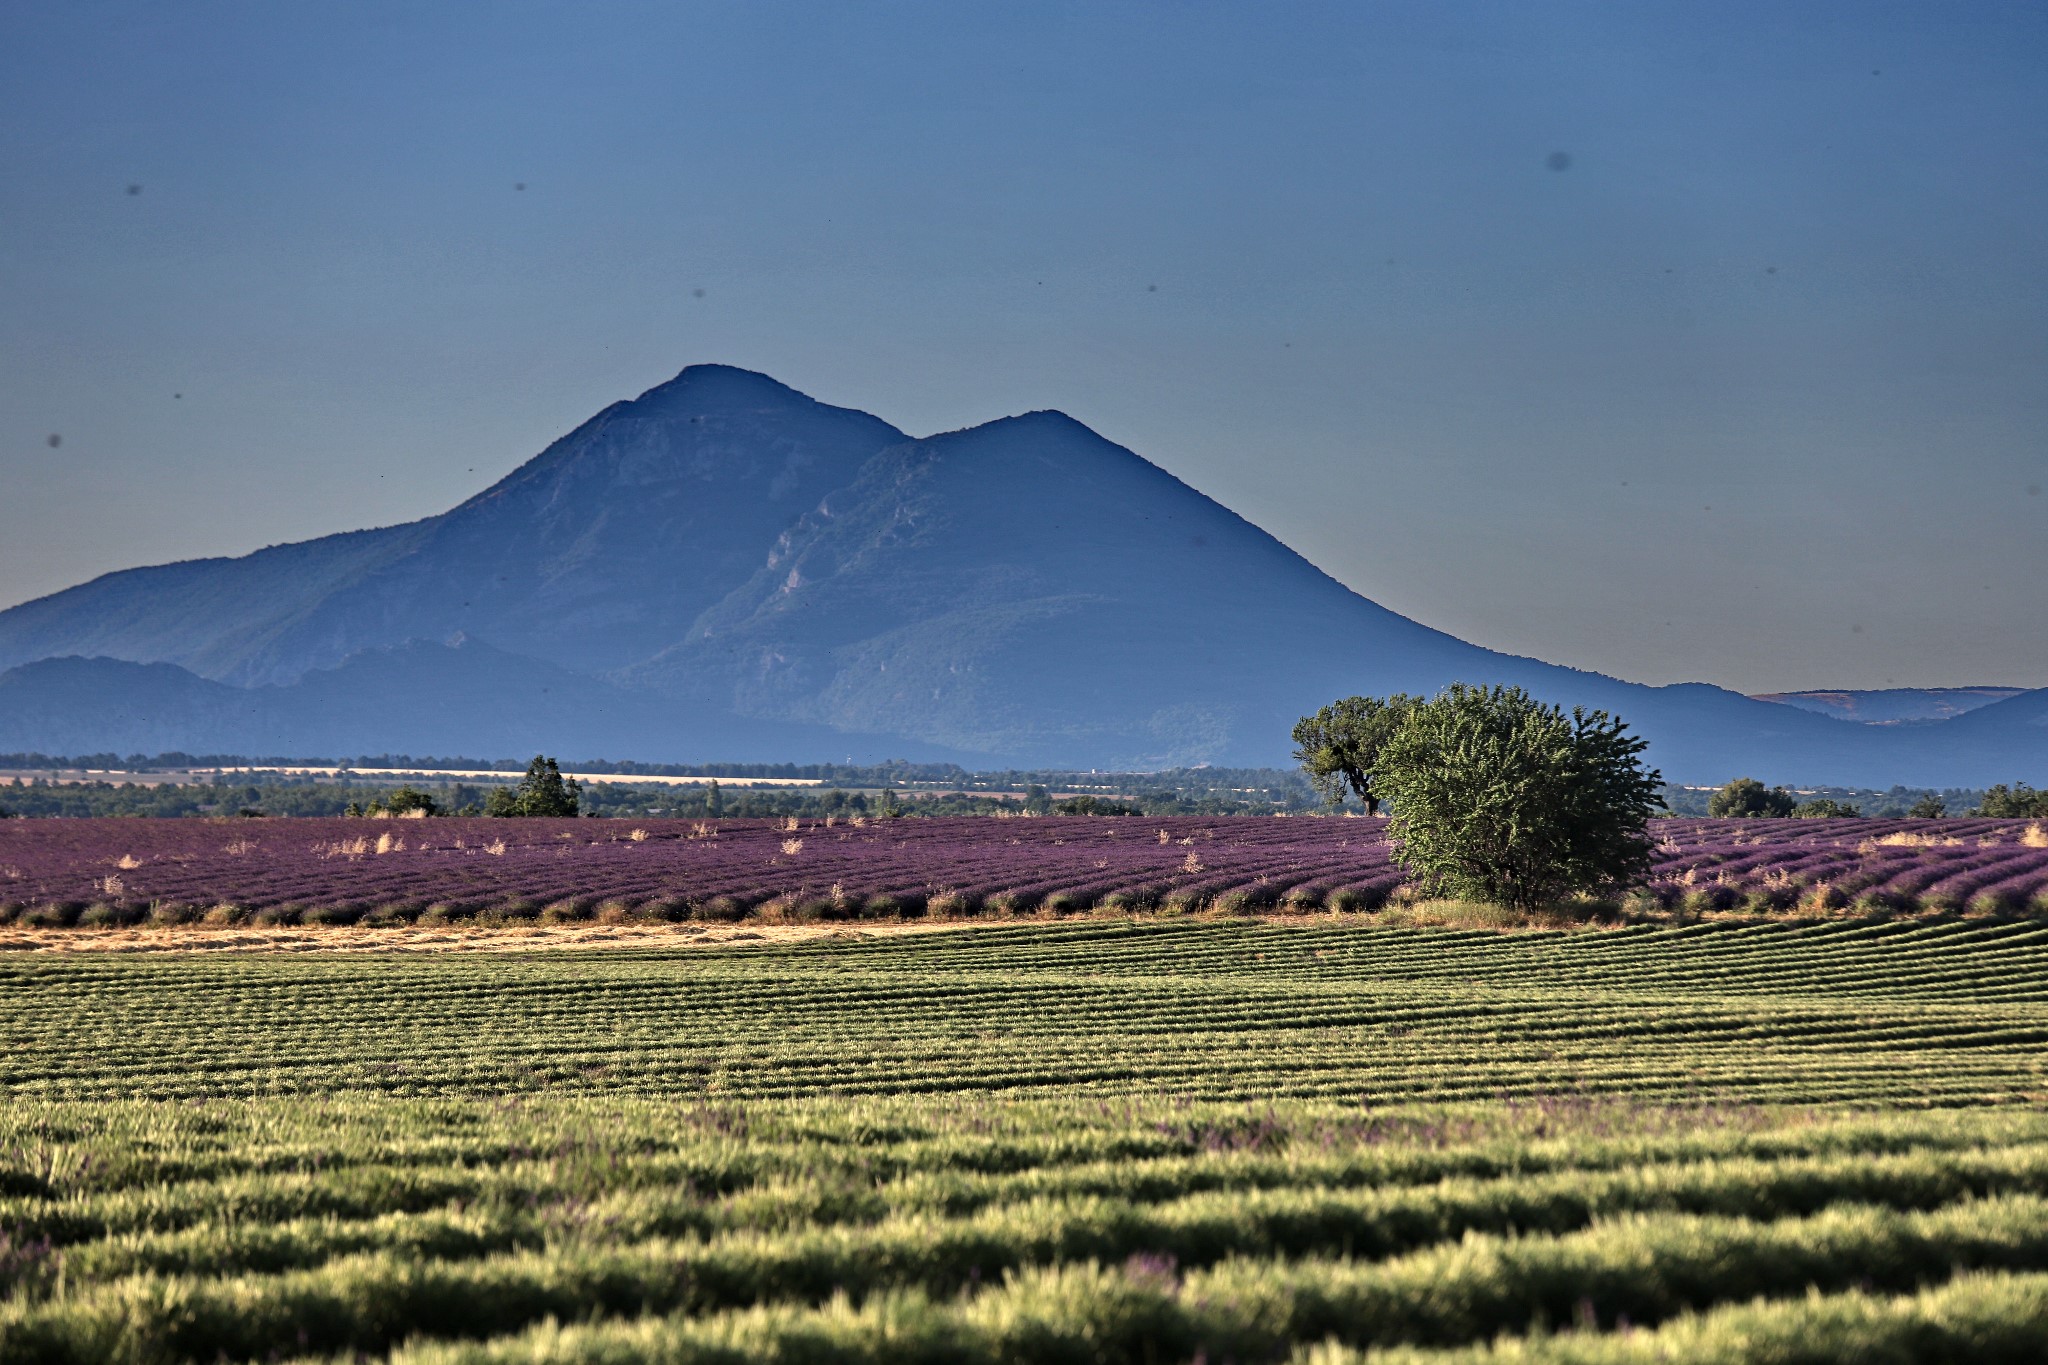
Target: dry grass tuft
[
  {"x": 1906, "y": 838},
  {"x": 792, "y": 846}
]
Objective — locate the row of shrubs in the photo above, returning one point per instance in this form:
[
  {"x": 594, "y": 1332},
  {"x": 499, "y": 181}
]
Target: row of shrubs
[
  {"x": 782, "y": 909},
  {"x": 1658, "y": 901}
]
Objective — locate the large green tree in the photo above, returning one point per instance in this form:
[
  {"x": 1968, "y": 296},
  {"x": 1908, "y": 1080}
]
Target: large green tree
[
  {"x": 1748, "y": 799},
  {"x": 1339, "y": 746},
  {"x": 2017, "y": 802},
  {"x": 1501, "y": 798},
  {"x": 542, "y": 792}
]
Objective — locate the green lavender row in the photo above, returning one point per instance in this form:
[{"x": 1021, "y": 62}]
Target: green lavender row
[{"x": 1646, "y": 1267}]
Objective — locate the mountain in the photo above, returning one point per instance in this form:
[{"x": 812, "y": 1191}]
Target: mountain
[
  {"x": 80, "y": 706},
  {"x": 595, "y": 554},
  {"x": 2018, "y": 724},
  {"x": 1027, "y": 588},
  {"x": 724, "y": 568},
  {"x": 1893, "y": 705}
]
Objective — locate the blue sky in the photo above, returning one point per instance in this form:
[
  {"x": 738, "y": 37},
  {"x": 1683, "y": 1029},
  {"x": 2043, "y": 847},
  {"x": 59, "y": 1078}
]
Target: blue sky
[{"x": 1674, "y": 340}]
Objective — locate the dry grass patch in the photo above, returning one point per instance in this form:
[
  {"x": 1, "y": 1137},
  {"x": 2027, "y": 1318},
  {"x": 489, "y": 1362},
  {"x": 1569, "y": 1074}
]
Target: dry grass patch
[{"x": 437, "y": 938}]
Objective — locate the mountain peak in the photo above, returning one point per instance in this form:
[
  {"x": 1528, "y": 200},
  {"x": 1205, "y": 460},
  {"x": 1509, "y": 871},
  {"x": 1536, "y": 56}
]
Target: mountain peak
[
  {"x": 724, "y": 387},
  {"x": 1047, "y": 419},
  {"x": 1038, "y": 424}
]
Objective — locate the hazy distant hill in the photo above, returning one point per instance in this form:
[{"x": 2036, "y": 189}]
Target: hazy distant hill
[
  {"x": 462, "y": 697},
  {"x": 1893, "y": 705},
  {"x": 726, "y": 569},
  {"x": 2020, "y": 721}
]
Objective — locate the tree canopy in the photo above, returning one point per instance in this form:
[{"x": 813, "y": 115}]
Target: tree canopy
[
  {"x": 1747, "y": 799},
  {"x": 2017, "y": 802},
  {"x": 542, "y": 792},
  {"x": 1339, "y": 746},
  {"x": 1501, "y": 798},
  {"x": 1822, "y": 808}
]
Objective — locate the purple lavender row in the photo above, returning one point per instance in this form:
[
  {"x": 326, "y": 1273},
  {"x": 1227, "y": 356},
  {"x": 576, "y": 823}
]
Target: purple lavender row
[{"x": 62, "y": 868}]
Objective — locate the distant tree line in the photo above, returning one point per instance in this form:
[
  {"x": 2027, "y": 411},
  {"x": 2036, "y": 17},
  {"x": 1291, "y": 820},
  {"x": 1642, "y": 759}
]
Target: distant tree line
[
  {"x": 1748, "y": 799},
  {"x": 1332, "y": 746},
  {"x": 889, "y": 772},
  {"x": 939, "y": 789},
  {"x": 40, "y": 798},
  {"x": 1892, "y": 803},
  {"x": 542, "y": 793}
]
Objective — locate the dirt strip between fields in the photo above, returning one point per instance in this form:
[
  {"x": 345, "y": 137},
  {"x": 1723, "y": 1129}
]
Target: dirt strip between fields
[{"x": 523, "y": 939}]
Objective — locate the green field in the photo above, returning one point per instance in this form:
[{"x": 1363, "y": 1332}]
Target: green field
[{"x": 1098, "y": 1141}]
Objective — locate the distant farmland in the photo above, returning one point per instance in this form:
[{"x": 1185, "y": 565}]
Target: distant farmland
[{"x": 280, "y": 872}]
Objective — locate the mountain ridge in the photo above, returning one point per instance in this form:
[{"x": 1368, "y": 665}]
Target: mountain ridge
[
  {"x": 1892, "y": 705},
  {"x": 726, "y": 560},
  {"x": 541, "y": 557}
]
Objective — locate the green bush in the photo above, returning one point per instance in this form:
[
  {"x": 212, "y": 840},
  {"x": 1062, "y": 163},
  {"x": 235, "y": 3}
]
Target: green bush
[
  {"x": 721, "y": 909},
  {"x": 1500, "y": 798},
  {"x": 1821, "y": 808},
  {"x": 2017, "y": 802},
  {"x": 1748, "y": 799}
]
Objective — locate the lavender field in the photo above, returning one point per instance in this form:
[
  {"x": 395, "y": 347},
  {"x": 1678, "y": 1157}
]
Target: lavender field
[{"x": 111, "y": 872}]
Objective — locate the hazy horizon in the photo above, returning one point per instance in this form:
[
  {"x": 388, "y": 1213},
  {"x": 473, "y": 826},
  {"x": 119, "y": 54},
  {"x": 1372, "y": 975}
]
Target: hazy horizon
[{"x": 1680, "y": 346}]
